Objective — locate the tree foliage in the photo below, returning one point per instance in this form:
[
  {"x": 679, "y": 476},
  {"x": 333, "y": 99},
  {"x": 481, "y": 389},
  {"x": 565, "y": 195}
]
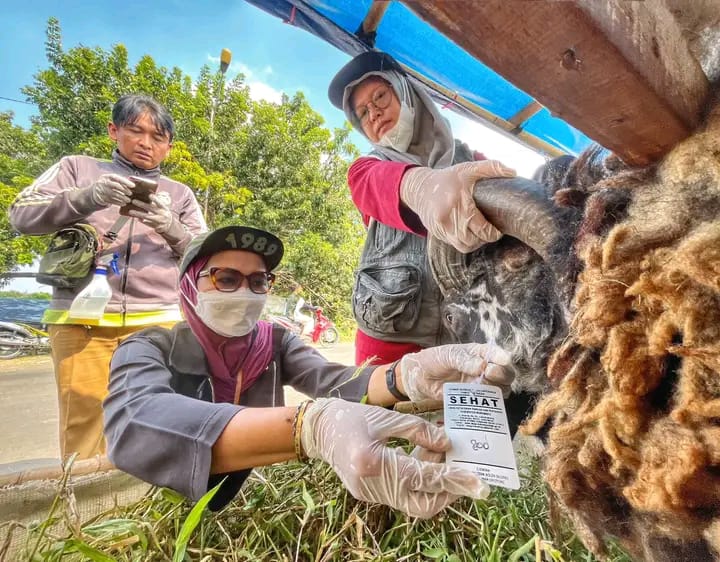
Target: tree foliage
[
  {"x": 21, "y": 158},
  {"x": 271, "y": 165}
]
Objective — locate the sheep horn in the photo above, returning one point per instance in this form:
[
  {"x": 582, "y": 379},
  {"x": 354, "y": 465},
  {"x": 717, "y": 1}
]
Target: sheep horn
[{"x": 518, "y": 207}]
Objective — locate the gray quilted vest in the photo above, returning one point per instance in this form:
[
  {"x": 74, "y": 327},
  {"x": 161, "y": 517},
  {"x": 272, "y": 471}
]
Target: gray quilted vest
[{"x": 395, "y": 297}]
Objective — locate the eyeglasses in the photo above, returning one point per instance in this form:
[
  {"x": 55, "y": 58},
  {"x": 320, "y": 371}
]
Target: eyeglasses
[
  {"x": 381, "y": 98},
  {"x": 227, "y": 280}
]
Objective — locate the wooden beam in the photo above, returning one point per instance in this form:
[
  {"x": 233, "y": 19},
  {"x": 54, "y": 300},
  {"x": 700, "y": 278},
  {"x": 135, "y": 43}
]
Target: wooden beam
[
  {"x": 374, "y": 15},
  {"x": 619, "y": 71},
  {"x": 525, "y": 113}
]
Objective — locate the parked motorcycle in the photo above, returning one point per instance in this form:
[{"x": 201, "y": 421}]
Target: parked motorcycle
[
  {"x": 324, "y": 331},
  {"x": 17, "y": 338}
]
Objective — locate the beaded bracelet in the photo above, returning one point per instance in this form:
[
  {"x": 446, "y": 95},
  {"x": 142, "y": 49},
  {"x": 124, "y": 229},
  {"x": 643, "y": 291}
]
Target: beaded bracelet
[{"x": 297, "y": 429}]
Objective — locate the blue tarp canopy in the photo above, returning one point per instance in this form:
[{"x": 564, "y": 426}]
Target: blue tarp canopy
[{"x": 452, "y": 76}]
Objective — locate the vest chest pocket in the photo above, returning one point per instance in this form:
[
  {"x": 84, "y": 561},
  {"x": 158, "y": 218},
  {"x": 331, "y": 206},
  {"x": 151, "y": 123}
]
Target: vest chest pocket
[{"x": 387, "y": 299}]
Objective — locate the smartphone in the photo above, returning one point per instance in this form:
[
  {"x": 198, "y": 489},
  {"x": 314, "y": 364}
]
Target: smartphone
[{"x": 142, "y": 190}]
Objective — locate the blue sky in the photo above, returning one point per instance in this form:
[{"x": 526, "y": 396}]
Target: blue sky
[
  {"x": 175, "y": 33},
  {"x": 275, "y": 57}
]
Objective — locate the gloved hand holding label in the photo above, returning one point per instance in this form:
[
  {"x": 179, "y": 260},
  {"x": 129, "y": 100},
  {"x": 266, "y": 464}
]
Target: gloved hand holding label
[{"x": 476, "y": 423}]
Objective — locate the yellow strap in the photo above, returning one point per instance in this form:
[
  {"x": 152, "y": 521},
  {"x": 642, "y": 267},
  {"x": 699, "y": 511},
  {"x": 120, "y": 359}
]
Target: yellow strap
[{"x": 114, "y": 319}]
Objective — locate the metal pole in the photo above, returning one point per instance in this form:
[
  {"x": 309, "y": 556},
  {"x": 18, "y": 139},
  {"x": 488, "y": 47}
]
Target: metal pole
[
  {"x": 225, "y": 58},
  {"x": 211, "y": 141}
]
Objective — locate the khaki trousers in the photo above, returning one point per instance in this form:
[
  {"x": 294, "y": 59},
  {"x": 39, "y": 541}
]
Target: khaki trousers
[{"x": 81, "y": 357}]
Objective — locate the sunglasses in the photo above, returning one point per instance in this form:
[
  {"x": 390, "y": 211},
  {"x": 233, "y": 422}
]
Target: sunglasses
[{"x": 227, "y": 280}]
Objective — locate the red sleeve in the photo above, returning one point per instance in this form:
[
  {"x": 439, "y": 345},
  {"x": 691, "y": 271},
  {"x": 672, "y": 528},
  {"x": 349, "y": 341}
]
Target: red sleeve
[
  {"x": 380, "y": 352},
  {"x": 375, "y": 190}
]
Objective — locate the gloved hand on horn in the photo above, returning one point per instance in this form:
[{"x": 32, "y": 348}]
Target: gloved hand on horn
[
  {"x": 423, "y": 374},
  {"x": 352, "y": 438},
  {"x": 443, "y": 200}
]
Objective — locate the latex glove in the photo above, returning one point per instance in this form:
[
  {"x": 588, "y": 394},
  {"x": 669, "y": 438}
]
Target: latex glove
[
  {"x": 111, "y": 189},
  {"x": 423, "y": 374},
  {"x": 352, "y": 439},
  {"x": 443, "y": 200},
  {"x": 158, "y": 216}
]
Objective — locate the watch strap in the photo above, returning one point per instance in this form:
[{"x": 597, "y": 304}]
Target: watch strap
[{"x": 390, "y": 382}]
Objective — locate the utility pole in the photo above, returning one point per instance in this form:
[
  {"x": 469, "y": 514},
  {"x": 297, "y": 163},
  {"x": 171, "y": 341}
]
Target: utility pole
[{"x": 225, "y": 58}]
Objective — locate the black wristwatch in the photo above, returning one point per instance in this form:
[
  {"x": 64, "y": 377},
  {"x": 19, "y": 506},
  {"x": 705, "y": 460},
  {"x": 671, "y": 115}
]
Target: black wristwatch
[{"x": 390, "y": 382}]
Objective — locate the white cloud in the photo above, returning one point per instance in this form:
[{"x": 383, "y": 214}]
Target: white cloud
[
  {"x": 235, "y": 67},
  {"x": 494, "y": 145},
  {"x": 259, "y": 90},
  {"x": 239, "y": 67},
  {"x": 262, "y": 91}
]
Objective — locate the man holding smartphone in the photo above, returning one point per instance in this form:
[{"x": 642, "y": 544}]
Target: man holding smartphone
[{"x": 81, "y": 189}]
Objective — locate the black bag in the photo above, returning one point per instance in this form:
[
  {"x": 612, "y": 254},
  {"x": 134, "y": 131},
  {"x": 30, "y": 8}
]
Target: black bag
[{"x": 70, "y": 258}]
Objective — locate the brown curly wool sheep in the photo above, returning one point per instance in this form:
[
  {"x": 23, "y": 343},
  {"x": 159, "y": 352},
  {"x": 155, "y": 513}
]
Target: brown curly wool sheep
[{"x": 634, "y": 448}]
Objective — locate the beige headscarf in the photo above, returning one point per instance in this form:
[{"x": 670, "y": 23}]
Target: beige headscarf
[{"x": 432, "y": 143}]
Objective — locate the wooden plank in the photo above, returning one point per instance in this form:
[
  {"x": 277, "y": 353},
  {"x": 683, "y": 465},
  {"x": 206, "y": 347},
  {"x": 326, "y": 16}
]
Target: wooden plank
[
  {"x": 525, "y": 113},
  {"x": 619, "y": 71},
  {"x": 374, "y": 15}
]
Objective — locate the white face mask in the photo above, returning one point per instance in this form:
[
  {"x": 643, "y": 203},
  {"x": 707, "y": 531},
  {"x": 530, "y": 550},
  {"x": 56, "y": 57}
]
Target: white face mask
[
  {"x": 230, "y": 314},
  {"x": 401, "y": 134}
]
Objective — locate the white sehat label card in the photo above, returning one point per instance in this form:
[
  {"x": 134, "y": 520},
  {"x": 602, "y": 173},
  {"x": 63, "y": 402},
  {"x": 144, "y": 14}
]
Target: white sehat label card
[{"x": 476, "y": 423}]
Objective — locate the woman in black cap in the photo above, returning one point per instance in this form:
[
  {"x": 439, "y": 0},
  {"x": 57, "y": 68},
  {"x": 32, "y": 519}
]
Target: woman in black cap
[
  {"x": 417, "y": 181},
  {"x": 204, "y": 401}
]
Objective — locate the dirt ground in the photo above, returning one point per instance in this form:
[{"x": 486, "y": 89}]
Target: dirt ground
[{"x": 29, "y": 414}]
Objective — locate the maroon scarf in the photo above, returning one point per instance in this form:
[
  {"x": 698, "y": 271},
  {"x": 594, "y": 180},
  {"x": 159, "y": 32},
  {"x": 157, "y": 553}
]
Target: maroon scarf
[{"x": 225, "y": 356}]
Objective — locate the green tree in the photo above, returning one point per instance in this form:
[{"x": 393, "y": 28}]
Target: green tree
[
  {"x": 275, "y": 166},
  {"x": 83, "y": 84},
  {"x": 296, "y": 170},
  {"x": 229, "y": 199},
  {"x": 22, "y": 157}
]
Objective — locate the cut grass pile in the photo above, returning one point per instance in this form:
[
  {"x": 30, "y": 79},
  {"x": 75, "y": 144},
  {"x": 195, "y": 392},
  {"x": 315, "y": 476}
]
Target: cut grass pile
[{"x": 301, "y": 512}]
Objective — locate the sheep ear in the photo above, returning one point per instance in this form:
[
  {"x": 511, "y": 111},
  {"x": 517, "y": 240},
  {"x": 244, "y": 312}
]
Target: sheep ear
[{"x": 449, "y": 267}]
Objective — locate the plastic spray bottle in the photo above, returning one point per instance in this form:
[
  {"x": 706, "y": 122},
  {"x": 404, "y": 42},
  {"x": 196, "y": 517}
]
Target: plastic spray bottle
[{"x": 90, "y": 303}]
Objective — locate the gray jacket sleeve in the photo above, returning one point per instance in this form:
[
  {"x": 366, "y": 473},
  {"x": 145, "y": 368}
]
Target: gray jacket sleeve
[
  {"x": 152, "y": 432},
  {"x": 53, "y": 201},
  {"x": 309, "y": 372}
]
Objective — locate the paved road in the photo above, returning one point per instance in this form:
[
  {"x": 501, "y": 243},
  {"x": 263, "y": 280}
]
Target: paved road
[
  {"x": 28, "y": 410},
  {"x": 29, "y": 414}
]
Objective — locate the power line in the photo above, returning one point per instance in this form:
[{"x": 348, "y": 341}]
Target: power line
[{"x": 18, "y": 101}]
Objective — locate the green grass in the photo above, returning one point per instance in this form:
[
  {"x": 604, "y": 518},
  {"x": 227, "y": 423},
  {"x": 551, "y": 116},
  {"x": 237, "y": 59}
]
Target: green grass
[
  {"x": 23, "y": 295},
  {"x": 301, "y": 512}
]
